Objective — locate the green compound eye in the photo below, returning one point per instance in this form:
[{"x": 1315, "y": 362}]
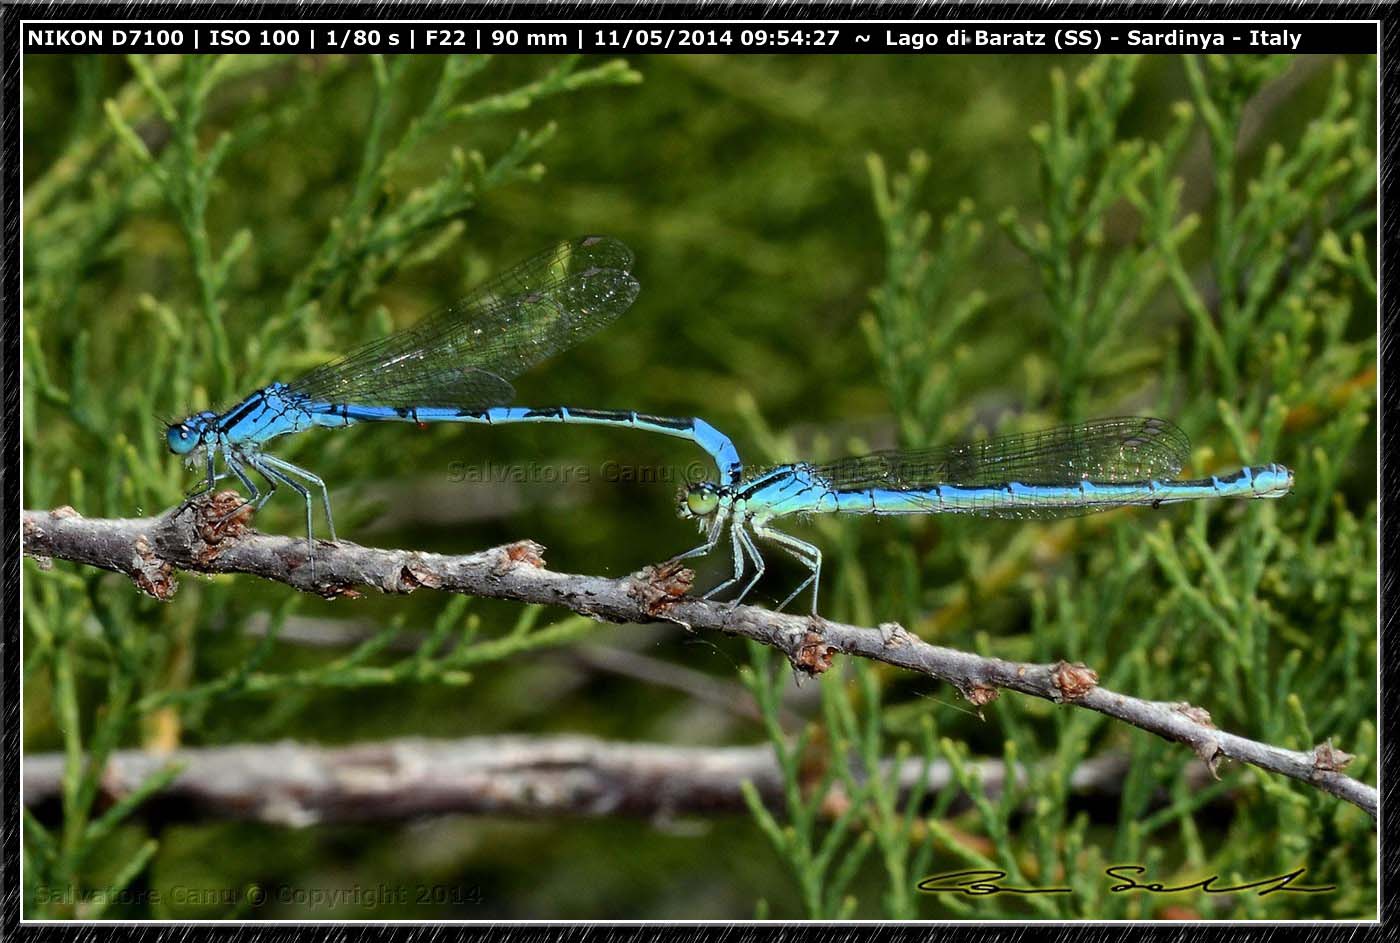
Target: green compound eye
[{"x": 701, "y": 501}]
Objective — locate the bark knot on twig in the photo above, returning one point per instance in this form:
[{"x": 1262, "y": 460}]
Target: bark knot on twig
[
  {"x": 894, "y": 635},
  {"x": 1329, "y": 759},
  {"x": 1073, "y": 681},
  {"x": 813, "y": 655},
  {"x": 1197, "y": 715},
  {"x": 657, "y": 588},
  {"x": 414, "y": 572},
  {"x": 523, "y": 552},
  {"x": 979, "y": 693},
  {"x": 220, "y": 519},
  {"x": 151, "y": 573},
  {"x": 1210, "y": 752}
]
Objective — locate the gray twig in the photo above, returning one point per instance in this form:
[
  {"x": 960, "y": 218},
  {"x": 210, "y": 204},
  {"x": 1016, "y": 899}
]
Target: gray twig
[
  {"x": 299, "y": 784},
  {"x": 200, "y": 536}
]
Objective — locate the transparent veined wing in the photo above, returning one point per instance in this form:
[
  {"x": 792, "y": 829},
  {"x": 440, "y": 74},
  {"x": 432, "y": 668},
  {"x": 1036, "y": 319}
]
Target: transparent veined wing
[
  {"x": 466, "y": 354},
  {"x": 1111, "y": 451}
]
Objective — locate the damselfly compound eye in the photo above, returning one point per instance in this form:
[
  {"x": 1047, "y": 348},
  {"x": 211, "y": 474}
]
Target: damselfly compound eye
[
  {"x": 700, "y": 500},
  {"x": 181, "y": 438}
]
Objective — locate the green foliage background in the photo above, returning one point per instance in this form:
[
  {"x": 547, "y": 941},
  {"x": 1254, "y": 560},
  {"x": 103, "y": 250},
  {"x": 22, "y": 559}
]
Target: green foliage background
[{"x": 836, "y": 254}]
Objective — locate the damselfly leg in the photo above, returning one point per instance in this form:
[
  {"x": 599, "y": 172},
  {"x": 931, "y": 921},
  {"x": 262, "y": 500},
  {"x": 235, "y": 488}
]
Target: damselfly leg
[
  {"x": 809, "y": 555},
  {"x": 291, "y": 469}
]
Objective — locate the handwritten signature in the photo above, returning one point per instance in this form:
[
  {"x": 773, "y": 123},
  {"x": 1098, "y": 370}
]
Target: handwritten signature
[{"x": 982, "y": 882}]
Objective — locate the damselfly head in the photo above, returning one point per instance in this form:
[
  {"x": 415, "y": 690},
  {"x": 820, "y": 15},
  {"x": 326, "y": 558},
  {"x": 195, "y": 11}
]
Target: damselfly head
[
  {"x": 186, "y": 436},
  {"x": 698, "y": 500}
]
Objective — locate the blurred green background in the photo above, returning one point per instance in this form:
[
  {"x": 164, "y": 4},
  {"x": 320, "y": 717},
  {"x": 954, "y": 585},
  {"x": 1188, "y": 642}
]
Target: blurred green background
[{"x": 781, "y": 304}]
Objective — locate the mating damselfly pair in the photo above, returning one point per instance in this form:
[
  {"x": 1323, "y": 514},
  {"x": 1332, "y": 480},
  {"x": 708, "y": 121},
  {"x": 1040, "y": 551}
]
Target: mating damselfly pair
[{"x": 456, "y": 366}]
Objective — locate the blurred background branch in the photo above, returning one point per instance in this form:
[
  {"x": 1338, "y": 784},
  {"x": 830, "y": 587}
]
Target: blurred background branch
[{"x": 299, "y": 784}]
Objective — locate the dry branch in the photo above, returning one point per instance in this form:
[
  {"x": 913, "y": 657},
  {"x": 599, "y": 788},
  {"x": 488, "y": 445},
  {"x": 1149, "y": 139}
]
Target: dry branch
[
  {"x": 299, "y": 784},
  {"x": 190, "y": 537}
]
